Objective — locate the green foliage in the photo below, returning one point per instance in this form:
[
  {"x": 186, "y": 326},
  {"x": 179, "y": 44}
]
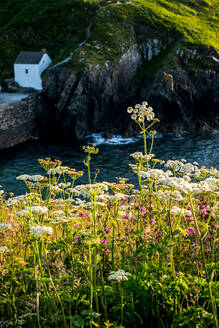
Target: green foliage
[
  {"x": 107, "y": 27},
  {"x": 107, "y": 254},
  {"x": 194, "y": 317},
  {"x": 196, "y": 21}
]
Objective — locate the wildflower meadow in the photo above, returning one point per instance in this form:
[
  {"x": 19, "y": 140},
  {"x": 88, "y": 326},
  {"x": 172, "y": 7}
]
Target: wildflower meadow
[{"x": 111, "y": 254}]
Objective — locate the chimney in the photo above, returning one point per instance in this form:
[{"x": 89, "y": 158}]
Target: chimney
[{"x": 44, "y": 51}]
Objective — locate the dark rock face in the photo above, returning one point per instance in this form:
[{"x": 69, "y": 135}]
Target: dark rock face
[
  {"x": 184, "y": 99},
  {"x": 96, "y": 100}
]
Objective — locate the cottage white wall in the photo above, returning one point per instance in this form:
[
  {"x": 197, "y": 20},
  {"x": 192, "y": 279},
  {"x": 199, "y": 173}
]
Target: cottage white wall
[
  {"x": 31, "y": 79},
  {"x": 44, "y": 63}
]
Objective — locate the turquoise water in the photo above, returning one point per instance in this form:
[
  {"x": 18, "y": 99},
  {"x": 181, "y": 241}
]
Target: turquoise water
[{"x": 113, "y": 157}]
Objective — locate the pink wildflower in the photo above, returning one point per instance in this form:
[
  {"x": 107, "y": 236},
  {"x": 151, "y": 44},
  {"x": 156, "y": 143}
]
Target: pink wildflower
[
  {"x": 105, "y": 250},
  {"x": 153, "y": 221},
  {"x": 79, "y": 212},
  {"x": 191, "y": 231}
]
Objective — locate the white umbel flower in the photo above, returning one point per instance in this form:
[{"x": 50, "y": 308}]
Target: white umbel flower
[
  {"x": 36, "y": 178},
  {"x": 40, "y": 230},
  {"x": 119, "y": 275},
  {"x": 176, "y": 210},
  {"x": 64, "y": 185},
  {"x": 23, "y": 177},
  {"x": 54, "y": 171},
  {"x": 15, "y": 200},
  {"x": 3, "y": 249},
  {"x": 118, "y": 196},
  {"x": 5, "y": 226},
  {"x": 42, "y": 210}
]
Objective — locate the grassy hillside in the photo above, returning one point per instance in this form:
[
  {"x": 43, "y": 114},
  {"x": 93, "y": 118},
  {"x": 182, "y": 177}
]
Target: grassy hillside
[{"x": 60, "y": 26}]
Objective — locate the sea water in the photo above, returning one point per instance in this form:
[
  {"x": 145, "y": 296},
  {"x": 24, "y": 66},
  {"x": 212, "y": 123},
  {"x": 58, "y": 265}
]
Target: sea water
[{"x": 113, "y": 158}]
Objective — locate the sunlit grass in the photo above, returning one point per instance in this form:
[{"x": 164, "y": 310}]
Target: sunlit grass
[
  {"x": 198, "y": 23},
  {"x": 60, "y": 26}
]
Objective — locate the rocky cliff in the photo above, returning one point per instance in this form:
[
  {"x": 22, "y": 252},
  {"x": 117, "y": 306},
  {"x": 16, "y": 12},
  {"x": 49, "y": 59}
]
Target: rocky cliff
[
  {"x": 184, "y": 95},
  {"x": 112, "y": 54}
]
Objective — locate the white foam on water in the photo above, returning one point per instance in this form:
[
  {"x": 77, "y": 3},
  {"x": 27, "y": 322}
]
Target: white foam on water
[{"x": 97, "y": 139}]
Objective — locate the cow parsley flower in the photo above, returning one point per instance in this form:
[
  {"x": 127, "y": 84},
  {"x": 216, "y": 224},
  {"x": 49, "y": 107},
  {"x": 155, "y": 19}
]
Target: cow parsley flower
[
  {"x": 141, "y": 111},
  {"x": 58, "y": 212},
  {"x": 42, "y": 210},
  {"x": 176, "y": 210},
  {"x": 3, "y": 249},
  {"x": 119, "y": 275},
  {"x": 118, "y": 196},
  {"x": 54, "y": 171},
  {"x": 22, "y": 214},
  {"x": 5, "y": 226},
  {"x": 55, "y": 189},
  {"x": 40, "y": 230},
  {"x": 64, "y": 185},
  {"x": 23, "y": 177},
  {"x": 15, "y": 200},
  {"x": 35, "y": 178},
  {"x": 61, "y": 219}
]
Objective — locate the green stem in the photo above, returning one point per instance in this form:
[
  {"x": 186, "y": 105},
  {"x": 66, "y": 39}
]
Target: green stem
[
  {"x": 122, "y": 304},
  {"x": 172, "y": 239},
  {"x": 152, "y": 144},
  {"x": 88, "y": 168},
  {"x": 208, "y": 279},
  {"x": 145, "y": 140},
  {"x": 91, "y": 278},
  {"x": 59, "y": 299},
  {"x": 113, "y": 246}
]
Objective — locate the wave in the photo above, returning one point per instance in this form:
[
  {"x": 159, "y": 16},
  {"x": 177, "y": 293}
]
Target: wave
[{"x": 98, "y": 139}]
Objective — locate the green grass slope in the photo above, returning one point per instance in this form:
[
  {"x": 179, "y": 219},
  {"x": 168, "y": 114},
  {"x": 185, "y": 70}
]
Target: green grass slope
[{"x": 107, "y": 27}]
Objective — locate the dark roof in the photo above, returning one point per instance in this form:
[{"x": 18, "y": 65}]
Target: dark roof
[{"x": 29, "y": 57}]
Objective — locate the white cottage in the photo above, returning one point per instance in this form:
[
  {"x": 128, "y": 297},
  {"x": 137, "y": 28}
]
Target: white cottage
[{"x": 28, "y": 68}]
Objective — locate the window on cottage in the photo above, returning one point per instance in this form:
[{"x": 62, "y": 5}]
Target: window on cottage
[{"x": 26, "y": 71}]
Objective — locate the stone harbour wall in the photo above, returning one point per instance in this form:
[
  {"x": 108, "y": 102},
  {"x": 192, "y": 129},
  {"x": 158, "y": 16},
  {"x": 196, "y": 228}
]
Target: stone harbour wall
[{"x": 17, "y": 122}]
